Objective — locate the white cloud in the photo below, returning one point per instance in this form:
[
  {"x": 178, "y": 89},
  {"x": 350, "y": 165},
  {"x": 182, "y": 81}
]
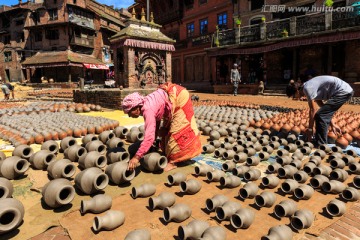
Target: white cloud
[{"x": 117, "y": 3}]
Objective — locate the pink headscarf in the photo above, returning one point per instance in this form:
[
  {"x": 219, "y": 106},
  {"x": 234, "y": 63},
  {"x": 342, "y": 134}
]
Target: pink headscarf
[{"x": 132, "y": 100}]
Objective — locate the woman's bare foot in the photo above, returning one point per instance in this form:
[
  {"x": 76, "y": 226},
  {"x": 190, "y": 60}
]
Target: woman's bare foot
[{"x": 169, "y": 167}]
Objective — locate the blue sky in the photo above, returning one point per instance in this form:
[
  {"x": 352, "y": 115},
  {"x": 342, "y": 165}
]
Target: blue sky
[{"x": 116, "y": 3}]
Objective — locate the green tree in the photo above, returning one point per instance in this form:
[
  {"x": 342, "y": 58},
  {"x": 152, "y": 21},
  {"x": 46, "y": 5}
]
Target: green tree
[{"x": 329, "y": 3}]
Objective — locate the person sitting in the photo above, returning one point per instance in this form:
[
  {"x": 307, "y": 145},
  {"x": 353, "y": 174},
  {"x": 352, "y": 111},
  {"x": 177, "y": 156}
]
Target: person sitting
[
  {"x": 291, "y": 89},
  {"x": 180, "y": 137},
  {"x": 261, "y": 87}
]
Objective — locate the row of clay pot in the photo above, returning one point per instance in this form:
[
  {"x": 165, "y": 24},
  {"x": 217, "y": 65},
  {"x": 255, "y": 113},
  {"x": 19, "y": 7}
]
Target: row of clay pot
[
  {"x": 11, "y": 214},
  {"x": 218, "y": 103}
]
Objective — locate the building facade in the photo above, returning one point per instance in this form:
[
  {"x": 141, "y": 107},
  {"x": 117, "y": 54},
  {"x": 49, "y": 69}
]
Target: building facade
[{"x": 57, "y": 39}]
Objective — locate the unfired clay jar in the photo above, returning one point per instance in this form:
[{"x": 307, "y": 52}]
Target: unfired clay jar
[
  {"x": 194, "y": 230},
  {"x": 303, "y": 192},
  {"x": 265, "y": 199},
  {"x": 274, "y": 167},
  {"x": 230, "y": 181},
  {"x": 11, "y": 214},
  {"x": 289, "y": 186},
  {"x": 92, "y": 159},
  {"x": 202, "y": 170},
  {"x": 67, "y": 142},
  {"x": 339, "y": 175},
  {"x": 336, "y": 208},
  {"x": 96, "y": 145},
  {"x": 111, "y": 220},
  {"x": 62, "y": 168},
  {"x": 6, "y": 188},
  {"x": 41, "y": 159},
  {"x": 242, "y": 218},
  {"x": 356, "y": 181},
  {"x": 138, "y": 234},
  {"x": 318, "y": 180},
  {"x": 106, "y": 136},
  {"x": 23, "y": 151},
  {"x": 177, "y": 213},
  {"x": 249, "y": 190},
  {"x": 270, "y": 181},
  {"x": 301, "y": 176},
  {"x": 354, "y": 168},
  {"x": 333, "y": 186},
  {"x": 191, "y": 186},
  {"x": 165, "y": 199},
  {"x": 50, "y": 145},
  {"x": 117, "y": 156},
  {"x": 144, "y": 190},
  {"x": 214, "y": 176},
  {"x": 74, "y": 152},
  {"x": 134, "y": 136},
  {"x": 216, "y": 201},
  {"x": 280, "y": 232},
  {"x": 88, "y": 138},
  {"x": 154, "y": 162},
  {"x": 322, "y": 170},
  {"x": 285, "y": 160},
  {"x": 118, "y": 172},
  {"x": 13, "y": 167},
  {"x": 253, "y": 161},
  {"x": 240, "y": 157},
  {"x": 350, "y": 194},
  {"x": 225, "y": 211},
  {"x": 252, "y": 175},
  {"x": 302, "y": 219},
  {"x": 176, "y": 178},
  {"x": 121, "y": 132},
  {"x": 214, "y": 233},
  {"x": 287, "y": 171},
  {"x": 98, "y": 204},
  {"x": 58, "y": 192},
  {"x": 91, "y": 180},
  {"x": 228, "y": 166},
  {"x": 285, "y": 208},
  {"x": 208, "y": 148},
  {"x": 240, "y": 171}
]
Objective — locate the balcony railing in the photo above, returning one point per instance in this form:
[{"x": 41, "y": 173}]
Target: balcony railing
[
  {"x": 88, "y": 42},
  {"x": 295, "y": 26}
]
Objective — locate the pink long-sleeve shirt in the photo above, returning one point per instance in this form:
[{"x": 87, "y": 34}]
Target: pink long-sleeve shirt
[{"x": 156, "y": 107}]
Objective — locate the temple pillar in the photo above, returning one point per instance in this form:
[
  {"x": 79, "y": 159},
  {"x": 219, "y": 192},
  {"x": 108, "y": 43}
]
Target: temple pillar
[{"x": 168, "y": 67}]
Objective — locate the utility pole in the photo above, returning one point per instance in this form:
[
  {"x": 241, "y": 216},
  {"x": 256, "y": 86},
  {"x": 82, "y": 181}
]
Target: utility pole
[{"x": 147, "y": 10}]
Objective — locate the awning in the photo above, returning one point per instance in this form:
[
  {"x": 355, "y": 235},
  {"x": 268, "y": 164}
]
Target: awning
[
  {"x": 149, "y": 45},
  {"x": 96, "y": 66}
]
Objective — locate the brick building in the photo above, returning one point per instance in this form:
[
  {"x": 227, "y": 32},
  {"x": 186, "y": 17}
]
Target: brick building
[{"x": 59, "y": 39}]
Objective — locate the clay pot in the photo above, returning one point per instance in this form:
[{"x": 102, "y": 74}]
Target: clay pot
[
  {"x": 154, "y": 162},
  {"x": 253, "y": 161},
  {"x": 322, "y": 170},
  {"x": 316, "y": 160},
  {"x": 138, "y": 234},
  {"x": 351, "y": 153},
  {"x": 291, "y": 147},
  {"x": 74, "y": 152},
  {"x": 98, "y": 204},
  {"x": 301, "y": 176},
  {"x": 106, "y": 136},
  {"x": 226, "y": 146},
  {"x": 336, "y": 208},
  {"x": 216, "y": 201},
  {"x": 249, "y": 190},
  {"x": 303, "y": 192},
  {"x": 215, "y": 143},
  {"x": 11, "y": 214},
  {"x": 118, "y": 172},
  {"x": 2, "y": 156},
  {"x": 191, "y": 186},
  {"x": 115, "y": 143},
  {"x": 225, "y": 211},
  {"x": 176, "y": 179},
  {"x": 325, "y": 148},
  {"x": 350, "y": 194},
  {"x": 318, "y": 180},
  {"x": 111, "y": 220},
  {"x": 13, "y": 167},
  {"x": 165, "y": 199},
  {"x": 144, "y": 190},
  {"x": 296, "y": 163},
  {"x": 202, "y": 170},
  {"x": 113, "y": 157},
  {"x": 280, "y": 232},
  {"x": 333, "y": 186},
  {"x": 193, "y": 230},
  {"x": 58, "y": 192},
  {"x": 219, "y": 152},
  {"x": 265, "y": 199},
  {"x": 342, "y": 142},
  {"x": 285, "y": 160},
  {"x": 214, "y": 233},
  {"x": 289, "y": 186},
  {"x": 88, "y": 138},
  {"x": 96, "y": 145},
  {"x": 62, "y": 168},
  {"x": 354, "y": 167},
  {"x": 356, "y": 181},
  {"x": 134, "y": 136},
  {"x": 302, "y": 219},
  {"x": 92, "y": 159},
  {"x": 268, "y": 149},
  {"x": 240, "y": 157},
  {"x": 240, "y": 171},
  {"x": 51, "y": 146},
  {"x": 23, "y": 151},
  {"x": 91, "y": 180},
  {"x": 214, "y": 176},
  {"x": 6, "y": 188},
  {"x": 41, "y": 159},
  {"x": 228, "y": 166},
  {"x": 285, "y": 208},
  {"x": 320, "y": 153},
  {"x": 214, "y": 135},
  {"x": 121, "y": 132},
  {"x": 270, "y": 181},
  {"x": 287, "y": 171},
  {"x": 274, "y": 167},
  {"x": 177, "y": 213},
  {"x": 242, "y": 218},
  {"x": 339, "y": 175},
  {"x": 252, "y": 175},
  {"x": 230, "y": 181},
  {"x": 208, "y": 148},
  {"x": 67, "y": 142},
  {"x": 348, "y": 159},
  {"x": 264, "y": 156},
  {"x": 282, "y": 152}
]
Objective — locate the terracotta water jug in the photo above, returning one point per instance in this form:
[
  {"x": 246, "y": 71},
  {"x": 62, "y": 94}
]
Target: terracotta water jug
[
  {"x": 98, "y": 204},
  {"x": 58, "y": 192}
]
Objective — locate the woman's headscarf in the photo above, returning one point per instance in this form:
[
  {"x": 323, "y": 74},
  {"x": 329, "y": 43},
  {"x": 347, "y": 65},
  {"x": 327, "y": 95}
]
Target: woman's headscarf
[{"x": 132, "y": 100}]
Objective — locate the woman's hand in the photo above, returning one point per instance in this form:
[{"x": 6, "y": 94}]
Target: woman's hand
[{"x": 133, "y": 163}]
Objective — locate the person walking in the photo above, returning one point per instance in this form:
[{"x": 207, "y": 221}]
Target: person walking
[
  {"x": 6, "y": 89},
  {"x": 336, "y": 93},
  {"x": 235, "y": 78},
  {"x": 180, "y": 137}
]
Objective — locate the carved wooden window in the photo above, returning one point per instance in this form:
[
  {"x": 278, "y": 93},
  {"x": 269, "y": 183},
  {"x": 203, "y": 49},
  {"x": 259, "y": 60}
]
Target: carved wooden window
[
  {"x": 203, "y": 26},
  {"x": 222, "y": 21},
  {"x": 53, "y": 14},
  {"x": 7, "y": 56},
  {"x": 190, "y": 28}
]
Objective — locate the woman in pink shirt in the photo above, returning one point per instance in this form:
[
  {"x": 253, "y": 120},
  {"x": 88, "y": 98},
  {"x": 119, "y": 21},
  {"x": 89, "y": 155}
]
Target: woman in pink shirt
[{"x": 171, "y": 104}]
